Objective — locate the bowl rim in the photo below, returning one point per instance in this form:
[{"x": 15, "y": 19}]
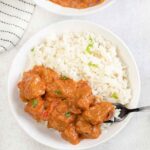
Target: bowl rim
[
  {"x": 119, "y": 40},
  {"x": 66, "y": 11}
]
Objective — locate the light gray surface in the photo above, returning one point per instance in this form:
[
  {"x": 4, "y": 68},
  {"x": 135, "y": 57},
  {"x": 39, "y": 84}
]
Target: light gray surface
[{"x": 130, "y": 19}]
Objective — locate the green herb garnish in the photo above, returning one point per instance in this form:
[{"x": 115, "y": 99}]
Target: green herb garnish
[
  {"x": 32, "y": 50},
  {"x": 88, "y": 49},
  {"x": 90, "y": 45},
  {"x": 57, "y": 92},
  {"x": 92, "y": 65},
  {"x": 67, "y": 114},
  {"x": 114, "y": 95},
  {"x": 34, "y": 103},
  {"x": 64, "y": 78}
]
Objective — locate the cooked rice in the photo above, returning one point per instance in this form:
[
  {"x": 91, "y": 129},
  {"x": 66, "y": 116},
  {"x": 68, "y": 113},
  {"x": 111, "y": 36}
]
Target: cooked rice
[{"x": 85, "y": 56}]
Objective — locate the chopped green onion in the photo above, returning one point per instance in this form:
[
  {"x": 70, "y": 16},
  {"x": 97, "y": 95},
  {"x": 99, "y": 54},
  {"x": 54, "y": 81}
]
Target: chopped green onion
[
  {"x": 114, "y": 95},
  {"x": 90, "y": 45},
  {"x": 32, "y": 50},
  {"x": 64, "y": 78},
  {"x": 67, "y": 114},
  {"x": 34, "y": 103},
  {"x": 58, "y": 92},
  {"x": 88, "y": 48},
  {"x": 92, "y": 65}
]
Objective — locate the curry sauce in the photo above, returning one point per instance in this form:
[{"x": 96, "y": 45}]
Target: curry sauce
[
  {"x": 77, "y": 3},
  {"x": 66, "y": 105}
]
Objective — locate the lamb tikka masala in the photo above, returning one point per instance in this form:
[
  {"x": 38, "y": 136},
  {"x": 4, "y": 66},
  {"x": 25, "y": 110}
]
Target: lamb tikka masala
[
  {"x": 67, "y": 105},
  {"x": 77, "y": 3}
]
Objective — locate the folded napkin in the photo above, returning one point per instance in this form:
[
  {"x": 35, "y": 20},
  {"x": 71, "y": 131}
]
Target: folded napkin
[{"x": 15, "y": 16}]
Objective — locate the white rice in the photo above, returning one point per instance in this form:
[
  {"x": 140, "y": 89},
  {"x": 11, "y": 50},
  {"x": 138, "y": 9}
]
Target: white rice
[{"x": 67, "y": 54}]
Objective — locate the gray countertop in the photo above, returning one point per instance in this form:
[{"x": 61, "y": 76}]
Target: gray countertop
[{"x": 129, "y": 19}]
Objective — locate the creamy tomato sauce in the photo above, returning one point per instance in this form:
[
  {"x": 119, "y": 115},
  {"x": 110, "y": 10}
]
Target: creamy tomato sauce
[
  {"x": 77, "y": 3},
  {"x": 66, "y": 105}
]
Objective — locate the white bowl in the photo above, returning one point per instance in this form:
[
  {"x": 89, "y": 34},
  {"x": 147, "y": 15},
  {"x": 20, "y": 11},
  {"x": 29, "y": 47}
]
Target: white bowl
[
  {"x": 50, "y": 137},
  {"x": 57, "y": 9}
]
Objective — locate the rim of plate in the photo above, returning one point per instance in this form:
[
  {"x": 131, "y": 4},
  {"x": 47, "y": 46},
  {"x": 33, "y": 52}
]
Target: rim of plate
[
  {"x": 66, "y": 11},
  {"x": 133, "y": 61}
]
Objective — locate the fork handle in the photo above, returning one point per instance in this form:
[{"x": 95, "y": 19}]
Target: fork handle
[{"x": 143, "y": 109}]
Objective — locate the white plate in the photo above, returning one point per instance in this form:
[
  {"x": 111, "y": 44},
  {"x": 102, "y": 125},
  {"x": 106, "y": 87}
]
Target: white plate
[
  {"x": 55, "y": 8},
  {"x": 50, "y": 137}
]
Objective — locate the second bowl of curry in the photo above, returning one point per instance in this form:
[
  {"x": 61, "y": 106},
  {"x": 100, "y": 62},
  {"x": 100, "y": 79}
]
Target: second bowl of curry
[{"x": 74, "y": 8}]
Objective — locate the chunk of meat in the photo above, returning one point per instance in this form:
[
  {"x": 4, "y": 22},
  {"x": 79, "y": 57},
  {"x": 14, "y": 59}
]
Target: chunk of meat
[
  {"x": 85, "y": 102},
  {"x": 86, "y": 130},
  {"x": 31, "y": 86},
  {"x": 99, "y": 113},
  {"x": 48, "y": 98},
  {"x": 56, "y": 85},
  {"x": 40, "y": 109},
  {"x": 47, "y": 74},
  {"x": 60, "y": 117},
  {"x": 73, "y": 109},
  {"x": 72, "y": 106},
  {"x": 49, "y": 106},
  {"x": 35, "y": 108},
  {"x": 71, "y": 135},
  {"x": 82, "y": 126},
  {"x": 53, "y": 90},
  {"x": 68, "y": 87},
  {"x": 95, "y": 133},
  {"x": 84, "y": 95},
  {"x": 62, "y": 88}
]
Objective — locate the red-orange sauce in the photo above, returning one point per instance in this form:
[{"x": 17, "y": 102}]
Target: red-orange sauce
[
  {"x": 77, "y": 3},
  {"x": 66, "y": 105}
]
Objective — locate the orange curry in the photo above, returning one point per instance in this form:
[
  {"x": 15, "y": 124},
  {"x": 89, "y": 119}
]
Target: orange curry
[
  {"x": 77, "y": 3},
  {"x": 67, "y": 105}
]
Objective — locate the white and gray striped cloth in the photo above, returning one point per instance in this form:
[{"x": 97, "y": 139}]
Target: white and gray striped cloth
[{"x": 14, "y": 19}]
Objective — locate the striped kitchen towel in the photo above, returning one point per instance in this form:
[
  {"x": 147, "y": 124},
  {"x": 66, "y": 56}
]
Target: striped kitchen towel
[{"x": 15, "y": 16}]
